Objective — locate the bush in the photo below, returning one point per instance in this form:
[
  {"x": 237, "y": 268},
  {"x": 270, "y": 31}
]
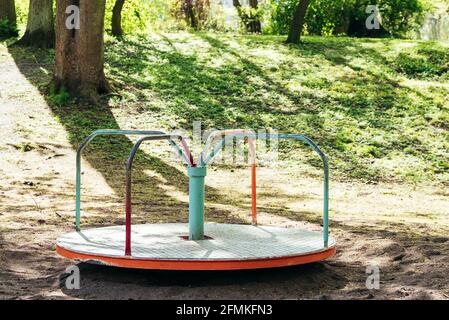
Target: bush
[
  {"x": 58, "y": 96},
  {"x": 399, "y": 17},
  {"x": 280, "y": 13},
  {"x": 140, "y": 15},
  {"x": 326, "y": 17},
  {"x": 7, "y": 29}
]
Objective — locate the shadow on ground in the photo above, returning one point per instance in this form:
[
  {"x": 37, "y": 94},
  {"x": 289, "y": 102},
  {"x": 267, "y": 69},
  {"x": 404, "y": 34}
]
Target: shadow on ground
[
  {"x": 410, "y": 247},
  {"x": 282, "y": 283}
]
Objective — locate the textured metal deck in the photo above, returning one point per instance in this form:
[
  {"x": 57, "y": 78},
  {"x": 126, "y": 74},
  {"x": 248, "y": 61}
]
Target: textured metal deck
[{"x": 165, "y": 242}]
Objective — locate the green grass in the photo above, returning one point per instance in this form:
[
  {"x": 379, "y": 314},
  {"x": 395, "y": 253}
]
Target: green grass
[{"x": 378, "y": 108}]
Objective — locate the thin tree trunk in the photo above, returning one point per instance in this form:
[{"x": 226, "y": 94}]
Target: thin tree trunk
[
  {"x": 40, "y": 31},
  {"x": 256, "y": 26},
  {"x": 8, "y": 12},
  {"x": 190, "y": 14},
  {"x": 251, "y": 24},
  {"x": 80, "y": 53},
  {"x": 117, "y": 18},
  {"x": 294, "y": 35}
]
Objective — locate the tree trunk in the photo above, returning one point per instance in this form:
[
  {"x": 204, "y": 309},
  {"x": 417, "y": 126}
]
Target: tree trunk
[
  {"x": 80, "y": 52},
  {"x": 255, "y": 25},
  {"x": 190, "y": 14},
  {"x": 8, "y": 12},
  {"x": 294, "y": 35},
  {"x": 117, "y": 18},
  {"x": 40, "y": 31}
]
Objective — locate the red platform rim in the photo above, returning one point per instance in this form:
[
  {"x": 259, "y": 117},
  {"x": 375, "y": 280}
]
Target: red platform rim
[{"x": 156, "y": 264}]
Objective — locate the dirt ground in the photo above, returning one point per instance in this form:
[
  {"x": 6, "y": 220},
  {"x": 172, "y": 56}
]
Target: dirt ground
[{"x": 402, "y": 229}]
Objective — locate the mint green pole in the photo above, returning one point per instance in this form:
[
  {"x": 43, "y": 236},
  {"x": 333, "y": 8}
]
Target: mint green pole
[{"x": 196, "y": 202}]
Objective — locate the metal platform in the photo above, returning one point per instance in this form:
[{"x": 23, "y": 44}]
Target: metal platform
[{"x": 228, "y": 247}]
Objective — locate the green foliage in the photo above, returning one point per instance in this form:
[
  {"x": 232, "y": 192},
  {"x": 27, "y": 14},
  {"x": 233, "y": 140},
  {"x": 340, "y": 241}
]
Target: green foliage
[
  {"x": 141, "y": 15},
  {"x": 191, "y": 14},
  {"x": 280, "y": 13},
  {"x": 22, "y": 13},
  {"x": 58, "y": 96},
  {"x": 326, "y": 17},
  {"x": 7, "y": 29},
  {"x": 248, "y": 16},
  {"x": 216, "y": 17},
  {"x": 398, "y": 16}
]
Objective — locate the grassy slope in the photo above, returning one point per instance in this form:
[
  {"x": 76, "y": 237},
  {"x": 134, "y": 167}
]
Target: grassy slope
[{"x": 378, "y": 108}]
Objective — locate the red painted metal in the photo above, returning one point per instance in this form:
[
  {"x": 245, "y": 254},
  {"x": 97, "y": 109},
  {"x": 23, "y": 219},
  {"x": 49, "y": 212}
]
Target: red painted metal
[
  {"x": 130, "y": 262},
  {"x": 187, "y": 152},
  {"x": 252, "y": 151},
  {"x": 128, "y": 216},
  {"x": 253, "y": 194}
]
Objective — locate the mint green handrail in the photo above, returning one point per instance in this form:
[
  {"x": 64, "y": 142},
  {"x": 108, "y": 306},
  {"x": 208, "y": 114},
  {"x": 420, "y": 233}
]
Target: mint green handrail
[
  {"x": 219, "y": 146},
  {"x": 108, "y": 132}
]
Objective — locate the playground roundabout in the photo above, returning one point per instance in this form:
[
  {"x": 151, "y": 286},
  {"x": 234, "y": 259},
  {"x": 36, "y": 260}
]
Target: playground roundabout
[
  {"x": 197, "y": 245},
  {"x": 225, "y": 247}
]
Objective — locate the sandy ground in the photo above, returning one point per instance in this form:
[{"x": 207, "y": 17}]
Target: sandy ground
[{"x": 399, "y": 228}]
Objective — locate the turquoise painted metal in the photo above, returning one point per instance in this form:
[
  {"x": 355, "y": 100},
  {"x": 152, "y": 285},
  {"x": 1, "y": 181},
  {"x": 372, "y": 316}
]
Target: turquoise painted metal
[
  {"x": 196, "y": 202},
  {"x": 197, "y": 175},
  {"x": 86, "y": 143},
  {"x": 220, "y": 145}
]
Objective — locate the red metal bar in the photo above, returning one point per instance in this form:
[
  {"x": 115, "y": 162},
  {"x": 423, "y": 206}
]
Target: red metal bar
[
  {"x": 253, "y": 194},
  {"x": 128, "y": 214},
  {"x": 128, "y": 181},
  {"x": 252, "y": 151}
]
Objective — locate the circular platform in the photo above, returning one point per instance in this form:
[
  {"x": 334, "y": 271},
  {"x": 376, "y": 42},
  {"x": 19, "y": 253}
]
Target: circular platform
[{"x": 228, "y": 247}]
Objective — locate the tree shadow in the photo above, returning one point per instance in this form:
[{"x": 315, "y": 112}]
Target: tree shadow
[
  {"x": 107, "y": 155},
  {"x": 193, "y": 92},
  {"x": 311, "y": 280}
]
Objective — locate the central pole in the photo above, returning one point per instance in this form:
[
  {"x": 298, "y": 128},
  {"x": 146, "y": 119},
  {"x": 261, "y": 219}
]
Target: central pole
[{"x": 196, "y": 202}]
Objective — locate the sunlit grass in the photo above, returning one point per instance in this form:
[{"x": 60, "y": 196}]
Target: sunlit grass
[{"x": 374, "y": 119}]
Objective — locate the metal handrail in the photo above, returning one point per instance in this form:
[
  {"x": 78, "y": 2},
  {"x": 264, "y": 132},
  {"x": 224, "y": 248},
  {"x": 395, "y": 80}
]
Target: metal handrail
[
  {"x": 219, "y": 146},
  {"x": 129, "y": 164},
  {"x": 186, "y": 155}
]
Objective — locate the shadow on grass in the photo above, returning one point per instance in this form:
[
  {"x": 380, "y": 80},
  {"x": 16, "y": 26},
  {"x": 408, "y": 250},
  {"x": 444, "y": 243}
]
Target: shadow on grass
[
  {"x": 193, "y": 92},
  {"x": 107, "y": 155}
]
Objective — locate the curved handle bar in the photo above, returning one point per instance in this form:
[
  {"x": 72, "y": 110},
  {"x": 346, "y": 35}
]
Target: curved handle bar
[
  {"x": 129, "y": 165},
  {"x": 222, "y": 133},
  {"x": 300, "y": 137},
  {"x": 186, "y": 155}
]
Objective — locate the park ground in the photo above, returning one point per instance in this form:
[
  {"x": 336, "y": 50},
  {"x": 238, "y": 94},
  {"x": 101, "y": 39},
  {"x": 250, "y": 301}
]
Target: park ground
[{"x": 378, "y": 108}]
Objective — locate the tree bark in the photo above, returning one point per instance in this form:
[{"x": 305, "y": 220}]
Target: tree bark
[
  {"x": 294, "y": 34},
  {"x": 8, "y": 12},
  {"x": 40, "y": 31},
  {"x": 80, "y": 52},
  {"x": 117, "y": 18}
]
